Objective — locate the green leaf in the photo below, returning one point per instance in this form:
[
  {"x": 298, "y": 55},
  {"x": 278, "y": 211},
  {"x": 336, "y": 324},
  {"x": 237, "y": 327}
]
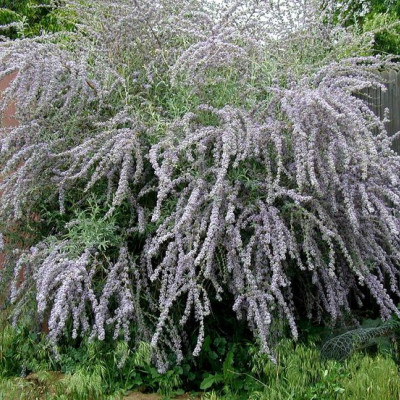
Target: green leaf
[
  {"x": 227, "y": 366},
  {"x": 207, "y": 382}
]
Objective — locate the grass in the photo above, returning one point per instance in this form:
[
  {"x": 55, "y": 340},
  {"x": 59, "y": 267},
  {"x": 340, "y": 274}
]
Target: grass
[{"x": 300, "y": 374}]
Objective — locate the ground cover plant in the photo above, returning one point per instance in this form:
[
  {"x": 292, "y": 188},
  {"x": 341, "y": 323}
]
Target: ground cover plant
[
  {"x": 178, "y": 163},
  {"x": 92, "y": 372}
]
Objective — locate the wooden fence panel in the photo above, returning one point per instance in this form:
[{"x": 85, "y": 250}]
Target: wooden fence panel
[{"x": 378, "y": 100}]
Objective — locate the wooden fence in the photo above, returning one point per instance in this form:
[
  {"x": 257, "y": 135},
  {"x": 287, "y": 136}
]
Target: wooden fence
[{"x": 379, "y": 100}]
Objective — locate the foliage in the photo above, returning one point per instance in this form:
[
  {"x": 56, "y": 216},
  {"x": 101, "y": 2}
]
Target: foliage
[
  {"x": 184, "y": 155},
  {"x": 27, "y": 18},
  {"x": 381, "y": 18},
  {"x": 386, "y": 28},
  {"x": 94, "y": 371},
  {"x": 88, "y": 370}
]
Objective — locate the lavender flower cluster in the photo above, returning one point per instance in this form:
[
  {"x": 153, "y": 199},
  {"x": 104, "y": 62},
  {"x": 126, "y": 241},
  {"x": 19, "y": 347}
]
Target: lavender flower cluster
[{"x": 288, "y": 201}]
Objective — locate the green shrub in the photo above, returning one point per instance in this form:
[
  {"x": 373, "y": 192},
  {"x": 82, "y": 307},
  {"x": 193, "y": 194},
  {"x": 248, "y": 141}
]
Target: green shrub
[
  {"x": 33, "y": 17},
  {"x": 386, "y": 29}
]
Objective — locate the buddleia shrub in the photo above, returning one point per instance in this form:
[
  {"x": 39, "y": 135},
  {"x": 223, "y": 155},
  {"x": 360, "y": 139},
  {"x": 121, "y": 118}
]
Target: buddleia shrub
[{"x": 231, "y": 161}]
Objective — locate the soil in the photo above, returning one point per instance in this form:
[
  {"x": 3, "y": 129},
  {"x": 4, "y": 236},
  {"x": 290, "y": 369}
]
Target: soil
[
  {"x": 142, "y": 396},
  {"x": 154, "y": 396},
  {"x": 43, "y": 386}
]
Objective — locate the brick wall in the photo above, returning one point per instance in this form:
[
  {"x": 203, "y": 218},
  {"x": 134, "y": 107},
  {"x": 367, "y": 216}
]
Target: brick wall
[{"x": 8, "y": 119}]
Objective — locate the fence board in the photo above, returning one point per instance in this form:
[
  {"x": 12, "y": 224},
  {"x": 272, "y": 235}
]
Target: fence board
[
  {"x": 396, "y": 111},
  {"x": 378, "y": 100}
]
